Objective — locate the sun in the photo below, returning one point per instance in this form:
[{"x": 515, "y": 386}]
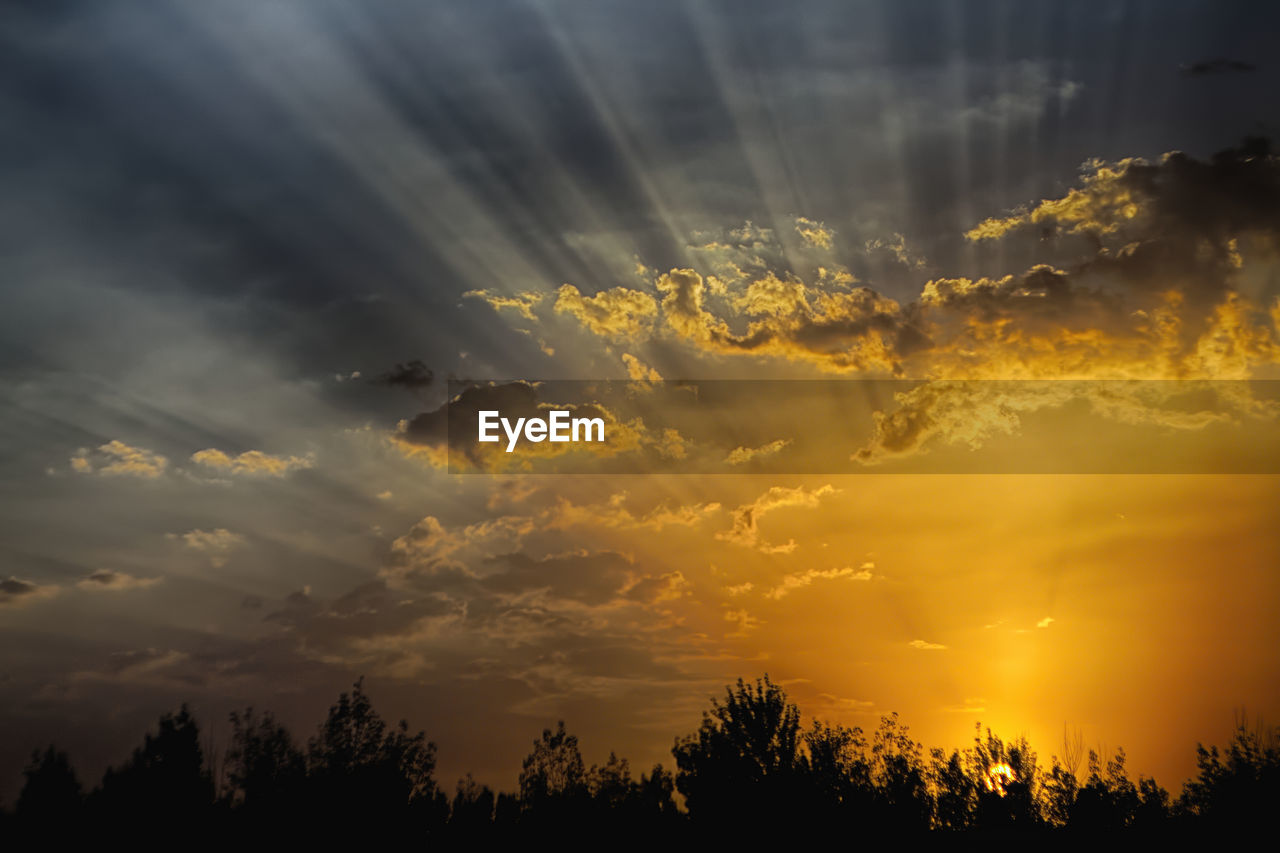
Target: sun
[{"x": 998, "y": 776}]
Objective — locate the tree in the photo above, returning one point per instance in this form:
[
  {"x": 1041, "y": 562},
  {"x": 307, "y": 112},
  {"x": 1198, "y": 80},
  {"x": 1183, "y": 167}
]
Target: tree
[
  {"x": 265, "y": 769},
  {"x": 898, "y": 777},
  {"x": 1108, "y": 800},
  {"x": 553, "y": 776},
  {"x": 744, "y": 758},
  {"x": 610, "y": 785},
  {"x": 473, "y": 806},
  {"x": 1238, "y": 786},
  {"x": 839, "y": 773},
  {"x": 655, "y": 795},
  {"x": 358, "y": 764},
  {"x": 955, "y": 792},
  {"x": 166, "y": 777},
  {"x": 51, "y": 791}
]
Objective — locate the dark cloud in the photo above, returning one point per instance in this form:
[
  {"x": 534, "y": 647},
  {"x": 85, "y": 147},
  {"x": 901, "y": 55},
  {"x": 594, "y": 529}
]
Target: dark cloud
[
  {"x": 13, "y": 589},
  {"x": 1215, "y": 66},
  {"x": 520, "y": 399},
  {"x": 413, "y": 375},
  {"x": 369, "y": 610},
  {"x": 586, "y": 578}
]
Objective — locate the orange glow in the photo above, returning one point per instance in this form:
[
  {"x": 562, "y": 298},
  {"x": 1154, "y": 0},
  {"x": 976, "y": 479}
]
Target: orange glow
[{"x": 998, "y": 776}]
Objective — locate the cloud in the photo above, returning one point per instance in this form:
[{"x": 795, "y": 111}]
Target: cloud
[
  {"x": 745, "y": 622},
  {"x": 149, "y": 666},
  {"x": 1149, "y": 259},
  {"x": 1045, "y": 622},
  {"x": 740, "y": 455},
  {"x": 251, "y": 463},
  {"x": 427, "y": 436},
  {"x": 746, "y": 518},
  {"x": 617, "y": 313},
  {"x": 115, "y": 458},
  {"x": 1216, "y": 66},
  {"x": 585, "y": 577},
  {"x": 216, "y": 544},
  {"x": 412, "y": 375},
  {"x": 655, "y": 589},
  {"x": 791, "y": 583},
  {"x": 925, "y": 645},
  {"x": 614, "y": 514},
  {"x": 638, "y": 370},
  {"x": 829, "y": 703},
  {"x": 971, "y": 705},
  {"x": 895, "y": 248},
  {"x": 522, "y": 303},
  {"x": 815, "y": 234},
  {"x": 837, "y": 330},
  {"x": 18, "y": 593},
  {"x": 105, "y": 579}
]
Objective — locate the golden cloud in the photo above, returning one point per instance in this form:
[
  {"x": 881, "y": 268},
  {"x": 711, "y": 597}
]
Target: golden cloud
[
  {"x": 741, "y": 455},
  {"x": 522, "y": 303},
  {"x": 617, "y": 313},
  {"x": 746, "y": 518},
  {"x": 115, "y": 458},
  {"x": 815, "y": 234},
  {"x": 251, "y": 463},
  {"x": 216, "y": 544},
  {"x": 800, "y": 580}
]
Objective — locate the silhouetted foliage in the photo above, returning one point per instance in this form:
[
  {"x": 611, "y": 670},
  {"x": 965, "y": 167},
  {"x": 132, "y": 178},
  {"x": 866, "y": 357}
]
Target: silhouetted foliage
[
  {"x": 473, "y": 805},
  {"x": 165, "y": 779},
  {"x": 747, "y": 772},
  {"x": 745, "y": 757},
  {"x": 51, "y": 791},
  {"x": 265, "y": 769},
  {"x": 553, "y": 778},
  {"x": 356, "y": 764},
  {"x": 1007, "y": 779},
  {"x": 1237, "y": 786}
]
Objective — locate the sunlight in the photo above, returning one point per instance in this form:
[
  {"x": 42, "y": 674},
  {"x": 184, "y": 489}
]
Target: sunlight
[{"x": 998, "y": 776}]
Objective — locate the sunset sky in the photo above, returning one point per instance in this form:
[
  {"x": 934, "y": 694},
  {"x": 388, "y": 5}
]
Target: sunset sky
[{"x": 245, "y": 246}]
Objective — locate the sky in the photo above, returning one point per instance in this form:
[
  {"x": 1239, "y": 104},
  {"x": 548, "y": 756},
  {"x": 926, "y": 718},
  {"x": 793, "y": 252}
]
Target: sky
[{"x": 251, "y": 251}]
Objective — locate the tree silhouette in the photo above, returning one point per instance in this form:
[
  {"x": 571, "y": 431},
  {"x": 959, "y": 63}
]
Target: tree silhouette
[
  {"x": 745, "y": 757},
  {"x": 610, "y": 785},
  {"x": 358, "y": 765},
  {"x": 265, "y": 769},
  {"x": 1237, "y": 786},
  {"x": 655, "y": 795},
  {"x": 165, "y": 778},
  {"x": 1007, "y": 779},
  {"x": 748, "y": 775},
  {"x": 553, "y": 779},
  {"x": 956, "y": 793},
  {"x": 473, "y": 806},
  {"x": 839, "y": 773},
  {"x": 898, "y": 776},
  {"x": 51, "y": 791}
]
